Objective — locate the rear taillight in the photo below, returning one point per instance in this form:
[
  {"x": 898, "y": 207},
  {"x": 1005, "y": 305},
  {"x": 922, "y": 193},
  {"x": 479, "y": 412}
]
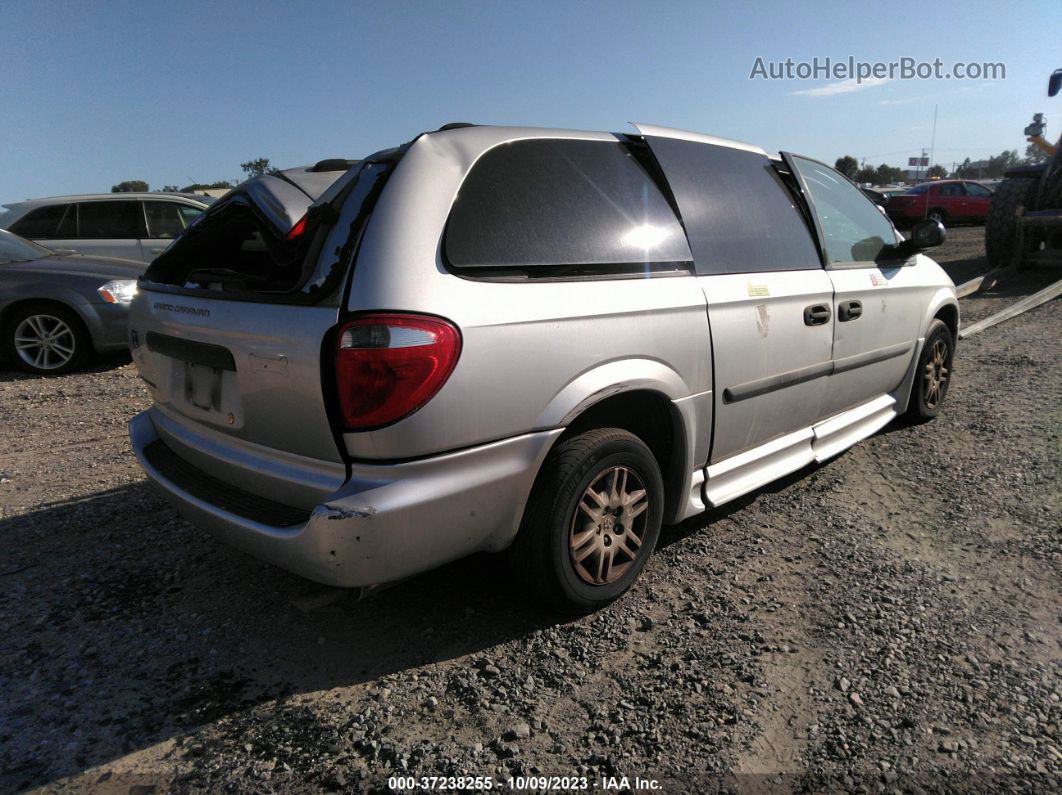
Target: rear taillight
[
  {"x": 388, "y": 366},
  {"x": 296, "y": 231}
]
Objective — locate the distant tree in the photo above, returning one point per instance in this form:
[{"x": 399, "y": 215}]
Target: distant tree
[
  {"x": 258, "y": 167},
  {"x": 965, "y": 170},
  {"x": 936, "y": 172},
  {"x": 130, "y": 186},
  {"x": 1034, "y": 155},
  {"x": 847, "y": 165},
  {"x": 886, "y": 174},
  {"x": 170, "y": 189},
  {"x": 867, "y": 174},
  {"x": 1006, "y": 159}
]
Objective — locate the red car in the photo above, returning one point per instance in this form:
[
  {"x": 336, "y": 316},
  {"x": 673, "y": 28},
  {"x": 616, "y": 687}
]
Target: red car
[{"x": 947, "y": 201}]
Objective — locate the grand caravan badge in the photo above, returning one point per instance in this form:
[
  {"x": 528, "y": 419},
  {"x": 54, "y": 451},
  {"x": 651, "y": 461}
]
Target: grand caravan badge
[{"x": 181, "y": 309}]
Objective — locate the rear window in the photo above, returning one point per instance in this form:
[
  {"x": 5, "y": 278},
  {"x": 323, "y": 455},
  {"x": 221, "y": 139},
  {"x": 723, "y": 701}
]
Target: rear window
[
  {"x": 108, "y": 220},
  {"x": 236, "y": 248},
  {"x": 916, "y": 190},
  {"x": 51, "y": 222},
  {"x": 547, "y": 203},
  {"x": 739, "y": 215}
]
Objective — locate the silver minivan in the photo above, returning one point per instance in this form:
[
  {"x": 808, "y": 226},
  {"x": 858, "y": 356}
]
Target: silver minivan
[{"x": 542, "y": 341}]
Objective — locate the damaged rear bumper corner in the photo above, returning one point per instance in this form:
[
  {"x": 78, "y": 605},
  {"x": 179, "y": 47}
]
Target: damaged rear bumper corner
[{"x": 388, "y": 521}]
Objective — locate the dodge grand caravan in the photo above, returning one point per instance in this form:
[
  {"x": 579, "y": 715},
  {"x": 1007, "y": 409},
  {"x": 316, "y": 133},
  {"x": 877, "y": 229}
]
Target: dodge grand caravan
[{"x": 545, "y": 341}]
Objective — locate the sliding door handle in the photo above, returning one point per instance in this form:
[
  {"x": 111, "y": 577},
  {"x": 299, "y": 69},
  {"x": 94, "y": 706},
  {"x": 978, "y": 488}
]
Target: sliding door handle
[
  {"x": 816, "y": 315},
  {"x": 849, "y": 310}
]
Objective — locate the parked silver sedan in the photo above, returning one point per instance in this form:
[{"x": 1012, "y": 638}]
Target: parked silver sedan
[{"x": 57, "y": 308}]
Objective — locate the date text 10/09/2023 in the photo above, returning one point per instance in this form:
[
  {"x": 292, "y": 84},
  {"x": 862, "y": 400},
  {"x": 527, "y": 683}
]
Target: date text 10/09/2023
[{"x": 522, "y": 783}]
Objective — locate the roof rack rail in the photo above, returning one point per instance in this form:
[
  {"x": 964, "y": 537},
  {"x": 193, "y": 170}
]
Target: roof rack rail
[{"x": 456, "y": 125}]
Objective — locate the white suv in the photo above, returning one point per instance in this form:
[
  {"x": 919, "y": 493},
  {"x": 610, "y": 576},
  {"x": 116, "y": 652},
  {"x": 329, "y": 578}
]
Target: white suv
[{"x": 135, "y": 226}]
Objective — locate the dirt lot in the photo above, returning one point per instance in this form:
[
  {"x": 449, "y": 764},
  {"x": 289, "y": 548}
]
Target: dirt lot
[{"x": 888, "y": 619}]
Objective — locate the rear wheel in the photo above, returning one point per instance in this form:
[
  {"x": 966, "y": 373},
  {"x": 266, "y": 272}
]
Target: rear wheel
[
  {"x": 933, "y": 375},
  {"x": 592, "y": 522},
  {"x": 1001, "y": 223},
  {"x": 46, "y": 338},
  {"x": 937, "y": 215}
]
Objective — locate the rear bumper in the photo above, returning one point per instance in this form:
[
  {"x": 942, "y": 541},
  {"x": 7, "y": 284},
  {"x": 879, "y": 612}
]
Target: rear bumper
[{"x": 387, "y": 522}]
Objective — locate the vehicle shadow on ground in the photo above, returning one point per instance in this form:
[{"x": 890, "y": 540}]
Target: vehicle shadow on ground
[
  {"x": 962, "y": 270},
  {"x": 100, "y": 364},
  {"x": 124, "y": 626}
]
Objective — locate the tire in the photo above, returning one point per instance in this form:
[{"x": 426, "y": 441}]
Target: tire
[
  {"x": 563, "y": 521},
  {"x": 1001, "y": 224},
  {"x": 933, "y": 375},
  {"x": 66, "y": 340},
  {"x": 936, "y": 214}
]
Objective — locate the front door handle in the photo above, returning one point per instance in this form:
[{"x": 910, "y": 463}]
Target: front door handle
[
  {"x": 849, "y": 310},
  {"x": 816, "y": 315}
]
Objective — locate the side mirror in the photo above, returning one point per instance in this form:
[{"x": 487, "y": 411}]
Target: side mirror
[
  {"x": 927, "y": 234},
  {"x": 1054, "y": 82},
  {"x": 924, "y": 234}
]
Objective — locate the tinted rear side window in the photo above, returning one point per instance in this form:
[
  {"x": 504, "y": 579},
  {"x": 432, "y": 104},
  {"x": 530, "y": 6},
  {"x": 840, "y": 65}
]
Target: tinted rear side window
[
  {"x": 739, "y": 216},
  {"x": 540, "y": 203},
  {"x": 108, "y": 220},
  {"x": 51, "y": 222}
]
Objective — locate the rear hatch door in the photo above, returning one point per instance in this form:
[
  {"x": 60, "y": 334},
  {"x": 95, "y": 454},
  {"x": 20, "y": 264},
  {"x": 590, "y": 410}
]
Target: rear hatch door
[{"x": 230, "y": 326}]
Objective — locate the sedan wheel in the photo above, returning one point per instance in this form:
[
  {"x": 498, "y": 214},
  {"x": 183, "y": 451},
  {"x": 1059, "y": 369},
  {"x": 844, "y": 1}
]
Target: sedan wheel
[{"x": 46, "y": 340}]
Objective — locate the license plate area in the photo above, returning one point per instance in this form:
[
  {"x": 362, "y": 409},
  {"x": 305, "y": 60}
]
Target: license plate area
[
  {"x": 202, "y": 386},
  {"x": 197, "y": 379}
]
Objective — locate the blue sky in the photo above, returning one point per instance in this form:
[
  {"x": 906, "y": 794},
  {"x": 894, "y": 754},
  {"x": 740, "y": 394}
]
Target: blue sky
[{"x": 95, "y": 93}]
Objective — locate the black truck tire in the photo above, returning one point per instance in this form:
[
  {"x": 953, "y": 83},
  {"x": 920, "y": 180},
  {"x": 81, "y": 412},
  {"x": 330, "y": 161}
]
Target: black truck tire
[{"x": 1001, "y": 224}]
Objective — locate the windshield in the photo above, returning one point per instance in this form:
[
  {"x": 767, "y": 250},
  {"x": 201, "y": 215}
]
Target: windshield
[{"x": 16, "y": 249}]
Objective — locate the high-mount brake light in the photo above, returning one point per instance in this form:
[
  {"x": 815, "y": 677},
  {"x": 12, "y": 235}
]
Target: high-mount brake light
[{"x": 389, "y": 365}]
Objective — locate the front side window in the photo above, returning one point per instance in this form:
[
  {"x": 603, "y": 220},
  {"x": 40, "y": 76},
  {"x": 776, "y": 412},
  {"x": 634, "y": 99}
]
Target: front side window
[
  {"x": 851, "y": 227},
  {"x": 51, "y": 222},
  {"x": 546, "y": 202},
  {"x": 189, "y": 213},
  {"x": 164, "y": 219},
  {"x": 108, "y": 220},
  {"x": 978, "y": 190}
]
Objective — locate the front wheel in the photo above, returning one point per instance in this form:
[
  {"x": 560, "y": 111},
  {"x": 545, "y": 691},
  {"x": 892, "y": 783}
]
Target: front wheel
[
  {"x": 933, "y": 375},
  {"x": 46, "y": 339},
  {"x": 592, "y": 522}
]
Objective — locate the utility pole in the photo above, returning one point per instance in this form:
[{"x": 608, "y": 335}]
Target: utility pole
[{"x": 933, "y": 140}]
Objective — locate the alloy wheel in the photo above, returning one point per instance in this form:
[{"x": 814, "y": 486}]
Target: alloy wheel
[
  {"x": 936, "y": 375},
  {"x": 45, "y": 342},
  {"x": 609, "y": 526}
]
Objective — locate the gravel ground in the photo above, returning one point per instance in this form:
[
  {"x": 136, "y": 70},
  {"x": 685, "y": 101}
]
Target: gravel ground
[{"x": 887, "y": 620}]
